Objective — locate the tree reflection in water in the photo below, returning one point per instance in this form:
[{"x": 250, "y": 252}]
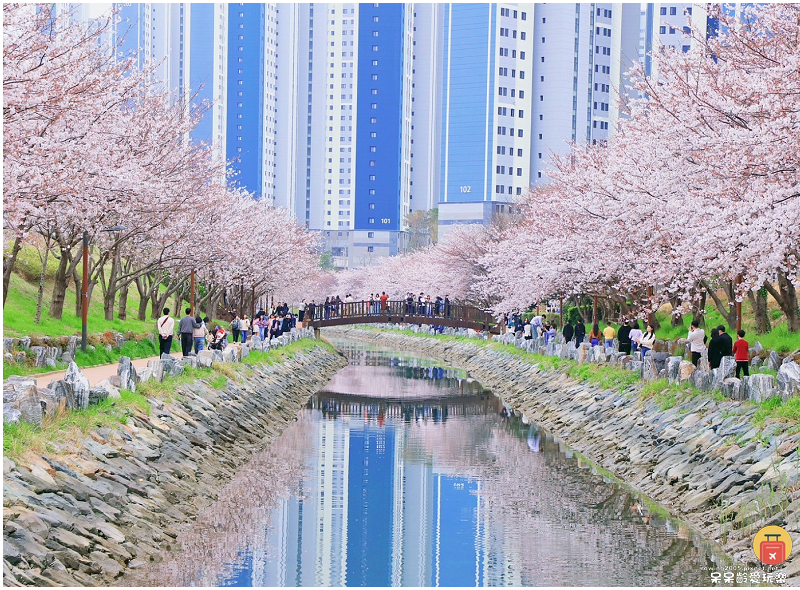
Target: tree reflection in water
[{"x": 403, "y": 472}]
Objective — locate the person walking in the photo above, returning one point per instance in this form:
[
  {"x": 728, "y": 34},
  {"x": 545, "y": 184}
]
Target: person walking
[
  {"x": 648, "y": 340},
  {"x": 608, "y": 335},
  {"x": 199, "y": 334},
  {"x": 568, "y": 332},
  {"x": 166, "y": 327},
  {"x": 624, "y": 337},
  {"x": 447, "y": 306},
  {"x": 594, "y": 335},
  {"x": 186, "y": 329},
  {"x": 580, "y": 332},
  {"x": 235, "y": 327},
  {"x": 635, "y": 335},
  {"x": 244, "y": 328},
  {"x": 696, "y": 340},
  {"x": 742, "y": 351},
  {"x": 301, "y": 313},
  {"x": 715, "y": 346}
]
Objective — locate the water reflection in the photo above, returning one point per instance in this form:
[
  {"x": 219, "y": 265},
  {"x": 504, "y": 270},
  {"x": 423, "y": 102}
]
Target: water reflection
[{"x": 401, "y": 472}]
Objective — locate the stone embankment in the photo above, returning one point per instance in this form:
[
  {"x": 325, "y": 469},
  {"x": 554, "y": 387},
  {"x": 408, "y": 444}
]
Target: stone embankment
[
  {"x": 701, "y": 459},
  {"x": 85, "y": 513}
]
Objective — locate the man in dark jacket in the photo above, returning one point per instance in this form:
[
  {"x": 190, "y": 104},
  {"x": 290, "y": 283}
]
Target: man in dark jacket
[
  {"x": 568, "y": 331},
  {"x": 185, "y": 328},
  {"x": 726, "y": 347},
  {"x": 624, "y": 337},
  {"x": 580, "y": 332}
]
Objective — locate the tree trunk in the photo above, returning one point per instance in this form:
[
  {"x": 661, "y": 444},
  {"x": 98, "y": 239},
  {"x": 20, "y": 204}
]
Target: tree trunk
[
  {"x": 8, "y": 266},
  {"x": 698, "y": 310},
  {"x": 786, "y": 296},
  {"x": 40, "y": 292},
  {"x": 758, "y": 301},
  {"x": 60, "y": 286},
  {"x": 111, "y": 288},
  {"x": 726, "y": 308},
  {"x": 123, "y": 302},
  {"x": 143, "y": 299},
  {"x": 676, "y": 319}
]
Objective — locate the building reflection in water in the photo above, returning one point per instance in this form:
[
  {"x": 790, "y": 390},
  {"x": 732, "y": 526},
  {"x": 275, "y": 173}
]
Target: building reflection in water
[{"x": 407, "y": 474}]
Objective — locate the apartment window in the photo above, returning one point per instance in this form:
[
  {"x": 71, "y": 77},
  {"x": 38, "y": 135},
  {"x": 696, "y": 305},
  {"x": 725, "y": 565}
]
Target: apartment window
[
  {"x": 541, "y": 98},
  {"x": 371, "y": 220},
  {"x": 522, "y": 35},
  {"x": 519, "y": 132},
  {"x": 372, "y": 205},
  {"x": 374, "y": 62},
  {"x": 522, "y": 94},
  {"x": 374, "y": 19},
  {"x": 374, "y": 48},
  {"x": 374, "y": 33},
  {"x": 373, "y": 134},
  {"x": 370, "y": 248},
  {"x": 542, "y": 59},
  {"x": 540, "y": 155},
  {"x": 519, "y": 152},
  {"x": 689, "y": 10},
  {"x": 544, "y": 19},
  {"x": 663, "y": 11},
  {"x": 543, "y": 39},
  {"x": 673, "y": 10},
  {"x": 373, "y": 120},
  {"x": 522, "y": 55},
  {"x": 519, "y": 171},
  {"x": 686, "y": 49},
  {"x": 372, "y": 177},
  {"x": 521, "y": 74},
  {"x": 524, "y": 16},
  {"x": 374, "y": 76},
  {"x": 687, "y": 30},
  {"x": 374, "y": 91},
  {"x": 372, "y": 163}
]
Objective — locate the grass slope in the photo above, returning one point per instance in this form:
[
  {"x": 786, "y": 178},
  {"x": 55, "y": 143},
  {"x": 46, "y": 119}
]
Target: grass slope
[{"x": 70, "y": 427}]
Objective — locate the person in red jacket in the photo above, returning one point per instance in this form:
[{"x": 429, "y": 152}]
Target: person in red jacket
[{"x": 741, "y": 351}]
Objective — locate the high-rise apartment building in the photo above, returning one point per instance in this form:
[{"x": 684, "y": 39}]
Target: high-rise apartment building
[
  {"x": 486, "y": 110},
  {"x": 354, "y": 123}
]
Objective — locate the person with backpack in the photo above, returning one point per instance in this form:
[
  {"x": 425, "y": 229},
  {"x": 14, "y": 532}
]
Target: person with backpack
[
  {"x": 199, "y": 334},
  {"x": 166, "y": 328},
  {"x": 235, "y": 327},
  {"x": 244, "y": 328},
  {"x": 580, "y": 332}
]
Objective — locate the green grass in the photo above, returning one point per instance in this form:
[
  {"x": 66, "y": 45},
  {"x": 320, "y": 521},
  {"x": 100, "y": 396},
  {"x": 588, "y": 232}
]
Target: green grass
[
  {"x": 70, "y": 426},
  {"x": 775, "y": 408},
  {"x": 91, "y": 358},
  {"x": 20, "y": 308}
]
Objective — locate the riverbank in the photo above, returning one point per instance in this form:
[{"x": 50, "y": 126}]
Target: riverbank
[
  {"x": 83, "y": 512},
  {"x": 701, "y": 458}
]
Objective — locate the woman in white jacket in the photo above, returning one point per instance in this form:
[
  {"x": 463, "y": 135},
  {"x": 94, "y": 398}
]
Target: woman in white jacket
[{"x": 647, "y": 340}]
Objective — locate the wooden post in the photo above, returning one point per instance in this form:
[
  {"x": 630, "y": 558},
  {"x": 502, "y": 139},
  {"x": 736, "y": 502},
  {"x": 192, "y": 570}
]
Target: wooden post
[
  {"x": 561, "y": 310},
  {"x": 594, "y": 310},
  {"x": 85, "y": 293},
  {"x": 191, "y": 291},
  {"x": 738, "y": 304},
  {"x": 253, "y": 302},
  {"x": 649, "y": 297}
]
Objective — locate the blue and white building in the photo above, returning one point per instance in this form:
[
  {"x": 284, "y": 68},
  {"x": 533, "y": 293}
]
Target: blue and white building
[{"x": 486, "y": 110}]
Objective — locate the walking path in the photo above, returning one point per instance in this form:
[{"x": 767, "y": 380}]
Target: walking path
[{"x": 94, "y": 374}]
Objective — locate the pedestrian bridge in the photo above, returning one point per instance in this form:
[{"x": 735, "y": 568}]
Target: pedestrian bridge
[{"x": 399, "y": 312}]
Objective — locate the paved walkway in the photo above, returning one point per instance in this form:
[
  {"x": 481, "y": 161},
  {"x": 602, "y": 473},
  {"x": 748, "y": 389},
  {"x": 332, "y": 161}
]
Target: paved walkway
[{"x": 94, "y": 374}]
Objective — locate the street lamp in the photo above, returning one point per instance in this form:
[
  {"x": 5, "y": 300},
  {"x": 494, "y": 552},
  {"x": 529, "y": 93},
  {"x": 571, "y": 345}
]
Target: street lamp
[{"x": 85, "y": 286}]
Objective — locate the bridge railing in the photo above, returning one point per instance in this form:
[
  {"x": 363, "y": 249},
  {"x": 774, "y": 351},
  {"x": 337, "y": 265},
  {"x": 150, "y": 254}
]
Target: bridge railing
[{"x": 401, "y": 311}]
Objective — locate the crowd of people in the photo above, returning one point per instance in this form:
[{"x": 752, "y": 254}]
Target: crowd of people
[
  {"x": 196, "y": 333},
  {"x": 377, "y": 303},
  {"x": 633, "y": 340}
]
